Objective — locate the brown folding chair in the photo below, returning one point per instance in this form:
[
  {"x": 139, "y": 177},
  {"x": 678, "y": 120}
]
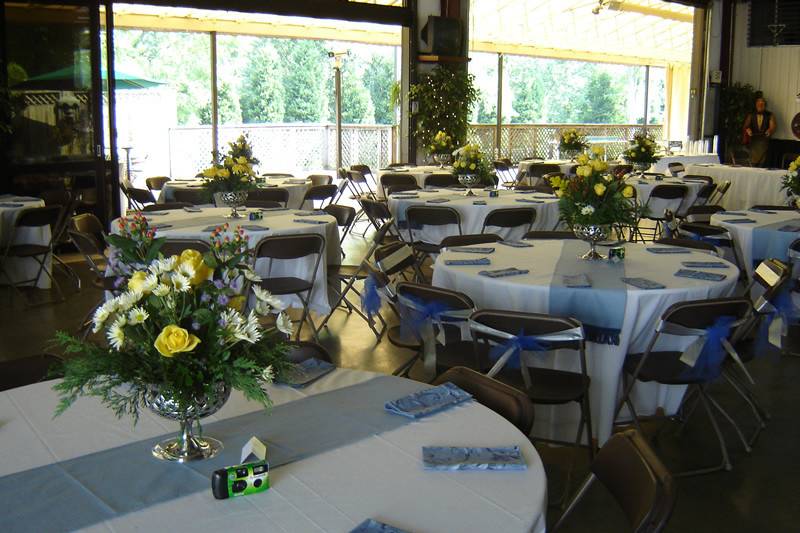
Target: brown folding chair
[
  {"x": 320, "y": 193},
  {"x": 441, "y": 180},
  {"x": 320, "y": 179},
  {"x": 720, "y": 193},
  {"x": 467, "y": 240},
  {"x": 549, "y": 235},
  {"x": 391, "y": 179},
  {"x": 662, "y": 198},
  {"x": 392, "y": 189},
  {"x": 345, "y": 216},
  {"x": 702, "y": 213},
  {"x": 27, "y": 370},
  {"x": 698, "y": 177},
  {"x": 506, "y": 401},
  {"x": 365, "y": 171},
  {"x": 176, "y": 246},
  {"x": 675, "y": 168},
  {"x": 156, "y": 183},
  {"x": 535, "y": 171},
  {"x": 269, "y": 194},
  {"x": 300, "y": 351},
  {"x": 197, "y": 196},
  {"x": 140, "y": 197},
  {"x": 292, "y": 247},
  {"x": 509, "y": 218},
  {"x": 263, "y": 204},
  {"x": 418, "y": 216},
  {"x": 631, "y": 471}
]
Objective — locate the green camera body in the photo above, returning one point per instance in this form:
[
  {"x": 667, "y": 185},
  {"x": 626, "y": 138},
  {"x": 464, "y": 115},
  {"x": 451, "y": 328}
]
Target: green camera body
[{"x": 240, "y": 480}]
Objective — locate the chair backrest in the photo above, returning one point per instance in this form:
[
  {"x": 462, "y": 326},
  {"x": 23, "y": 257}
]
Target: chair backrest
[
  {"x": 88, "y": 223},
  {"x": 705, "y": 193},
  {"x": 441, "y": 180},
  {"x": 391, "y": 189},
  {"x": 300, "y": 351},
  {"x": 550, "y": 235},
  {"x": 665, "y": 198},
  {"x": 550, "y": 175},
  {"x": 88, "y": 245},
  {"x": 390, "y": 179},
  {"x": 320, "y": 193},
  {"x": 26, "y": 370},
  {"x": 512, "y": 217},
  {"x": 290, "y": 246},
  {"x": 192, "y": 196},
  {"x": 56, "y": 197},
  {"x": 156, "y": 183},
  {"x": 527, "y": 324},
  {"x": 320, "y": 179},
  {"x": 37, "y": 217},
  {"x": 363, "y": 169},
  {"x": 394, "y": 258},
  {"x": 426, "y": 294},
  {"x": 466, "y": 240},
  {"x": 688, "y": 243},
  {"x": 344, "y": 214},
  {"x": 769, "y": 277},
  {"x": 537, "y": 170},
  {"x": 676, "y": 168},
  {"x": 141, "y": 196},
  {"x": 698, "y": 177},
  {"x": 542, "y": 188},
  {"x": 274, "y": 194},
  {"x": 702, "y": 213},
  {"x": 506, "y": 401},
  {"x": 741, "y": 156},
  {"x": 701, "y": 314},
  {"x": 176, "y": 246},
  {"x": 668, "y": 191},
  {"x": 166, "y": 206},
  {"x": 637, "y": 479},
  {"x": 377, "y": 212},
  {"x": 621, "y": 170},
  {"x": 423, "y": 215},
  {"x": 263, "y": 204}
]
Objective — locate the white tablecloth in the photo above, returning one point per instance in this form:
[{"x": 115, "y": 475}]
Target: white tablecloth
[
  {"x": 380, "y": 476},
  {"x": 662, "y": 165},
  {"x": 749, "y": 185},
  {"x": 190, "y": 226},
  {"x": 771, "y": 241},
  {"x": 23, "y": 268},
  {"x": 645, "y": 186},
  {"x": 472, "y": 216},
  {"x": 418, "y": 173},
  {"x": 296, "y": 190},
  {"x": 531, "y": 293}
]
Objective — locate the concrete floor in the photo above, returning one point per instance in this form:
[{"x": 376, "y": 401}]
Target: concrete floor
[{"x": 758, "y": 495}]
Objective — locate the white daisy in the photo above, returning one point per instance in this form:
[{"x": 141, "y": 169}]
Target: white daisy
[
  {"x": 268, "y": 374},
  {"x": 161, "y": 290},
  {"x": 100, "y": 317},
  {"x": 267, "y": 297},
  {"x": 180, "y": 282},
  {"x": 250, "y": 275},
  {"x": 164, "y": 265},
  {"x": 284, "y": 324},
  {"x": 116, "y": 335},
  {"x": 187, "y": 270},
  {"x": 137, "y": 315}
]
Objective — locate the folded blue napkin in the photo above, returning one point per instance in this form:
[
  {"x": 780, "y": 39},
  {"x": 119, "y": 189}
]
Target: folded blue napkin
[
  {"x": 643, "y": 283},
  {"x": 471, "y": 249},
  {"x": 734, "y": 213},
  {"x": 255, "y": 227},
  {"x": 309, "y": 221},
  {"x": 740, "y": 221},
  {"x": 577, "y": 281},
  {"x": 192, "y": 209},
  {"x": 427, "y": 402},
  {"x": 479, "y": 202},
  {"x": 705, "y": 264},
  {"x": 398, "y": 196},
  {"x": 453, "y": 458},
  {"x": 763, "y": 211},
  {"x": 516, "y": 244},
  {"x": 528, "y": 201},
  {"x": 789, "y": 227},
  {"x": 314, "y": 213},
  {"x": 667, "y": 250},
  {"x": 698, "y": 274},
  {"x": 373, "y": 526},
  {"x": 307, "y": 372},
  {"x": 9, "y": 204},
  {"x": 161, "y": 226},
  {"x": 503, "y": 272},
  {"x": 438, "y": 200},
  {"x": 467, "y": 262}
]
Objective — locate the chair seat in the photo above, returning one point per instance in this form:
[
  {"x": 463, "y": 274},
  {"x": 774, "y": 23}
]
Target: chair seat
[
  {"x": 286, "y": 285},
  {"x": 661, "y": 367},
  {"x": 550, "y": 386},
  {"x": 462, "y": 353},
  {"x": 347, "y": 271},
  {"x": 27, "y": 250},
  {"x": 396, "y": 337}
]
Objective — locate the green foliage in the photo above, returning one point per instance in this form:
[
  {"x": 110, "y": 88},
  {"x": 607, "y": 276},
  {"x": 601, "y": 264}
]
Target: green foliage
[
  {"x": 735, "y": 102},
  {"x": 379, "y": 81},
  {"x": 229, "y": 110},
  {"x": 263, "y": 98},
  {"x": 304, "y": 63},
  {"x": 357, "y": 106},
  {"x": 445, "y": 98},
  {"x": 486, "y": 114},
  {"x": 601, "y": 101}
]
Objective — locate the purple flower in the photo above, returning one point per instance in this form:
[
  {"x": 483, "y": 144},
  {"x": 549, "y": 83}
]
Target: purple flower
[
  {"x": 219, "y": 284},
  {"x": 119, "y": 282},
  {"x": 205, "y": 297},
  {"x": 236, "y": 284},
  {"x": 222, "y": 299},
  {"x": 222, "y": 322}
]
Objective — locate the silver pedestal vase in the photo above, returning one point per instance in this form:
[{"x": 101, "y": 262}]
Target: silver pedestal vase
[
  {"x": 469, "y": 181},
  {"x": 592, "y": 234},
  {"x": 443, "y": 159},
  {"x": 641, "y": 168},
  {"x": 232, "y": 199},
  {"x": 187, "y": 446}
]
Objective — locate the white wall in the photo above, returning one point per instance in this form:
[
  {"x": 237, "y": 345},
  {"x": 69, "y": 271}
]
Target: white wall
[{"x": 773, "y": 70}]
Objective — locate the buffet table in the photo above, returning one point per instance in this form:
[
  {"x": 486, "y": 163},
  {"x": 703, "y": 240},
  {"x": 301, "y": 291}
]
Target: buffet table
[{"x": 749, "y": 185}]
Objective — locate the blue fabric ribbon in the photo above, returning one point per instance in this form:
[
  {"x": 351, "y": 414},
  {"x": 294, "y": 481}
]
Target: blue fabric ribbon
[
  {"x": 412, "y": 321},
  {"x": 785, "y": 309},
  {"x": 370, "y": 297},
  {"x": 519, "y": 344},
  {"x": 709, "y": 363}
]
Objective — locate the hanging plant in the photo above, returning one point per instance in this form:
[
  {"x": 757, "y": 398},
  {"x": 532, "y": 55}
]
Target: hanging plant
[{"x": 445, "y": 98}]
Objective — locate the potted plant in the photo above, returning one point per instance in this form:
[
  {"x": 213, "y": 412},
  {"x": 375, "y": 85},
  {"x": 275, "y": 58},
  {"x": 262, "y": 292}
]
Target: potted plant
[
  {"x": 230, "y": 180},
  {"x": 594, "y": 200},
  {"x": 571, "y": 142},
  {"x": 178, "y": 337}
]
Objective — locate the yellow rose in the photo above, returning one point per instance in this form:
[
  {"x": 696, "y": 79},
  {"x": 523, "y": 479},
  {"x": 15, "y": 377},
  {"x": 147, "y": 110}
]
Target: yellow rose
[
  {"x": 627, "y": 192},
  {"x": 174, "y": 339},
  {"x": 793, "y": 166},
  {"x": 598, "y": 150},
  {"x": 558, "y": 193},
  {"x": 237, "y": 303},
  {"x": 472, "y": 166},
  {"x": 195, "y": 259},
  {"x": 137, "y": 281},
  {"x": 599, "y": 189},
  {"x": 582, "y": 159},
  {"x": 583, "y": 171},
  {"x": 223, "y": 173}
]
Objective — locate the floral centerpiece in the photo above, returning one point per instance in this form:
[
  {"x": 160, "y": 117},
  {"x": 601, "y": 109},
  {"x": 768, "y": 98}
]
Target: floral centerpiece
[
  {"x": 791, "y": 183},
  {"x": 641, "y": 152},
  {"x": 472, "y": 167},
  {"x": 441, "y": 148},
  {"x": 571, "y": 143},
  {"x": 178, "y": 337},
  {"x": 594, "y": 200},
  {"x": 230, "y": 179}
]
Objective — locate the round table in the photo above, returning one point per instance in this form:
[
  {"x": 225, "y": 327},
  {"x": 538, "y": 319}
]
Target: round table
[
  {"x": 22, "y": 269},
  {"x": 198, "y": 225},
  {"x": 749, "y": 185},
  {"x": 375, "y": 472},
  {"x": 662, "y": 165},
  {"x": 296, "y": 187},
  {"x": 638, "y": 310},
  {"x": 472, "y": 216},
  {"x": 645, "y": 186},
  {"x": 418, "y": 173},
  {"x": 768, "y": 236}
]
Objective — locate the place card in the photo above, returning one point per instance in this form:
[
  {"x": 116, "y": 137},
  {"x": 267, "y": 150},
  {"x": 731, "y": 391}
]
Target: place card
[
  {"x": 503, "y": 272},
  {"x": 471, "y": 249},
  {"x": 698, "y": 274},
  {"x": 643, "y": 283},
  {"x": 160, "y": 226},
  {"x": 479, "y": 202},
  {"x": 468, "y": 262},
  {"x": 763, "y": 211},
  {"x": 316, "y": 212},
  {"x": 705, "y": 264},
  {"x": 446, "y": 458},
  {"x": 577, "y": 281}
]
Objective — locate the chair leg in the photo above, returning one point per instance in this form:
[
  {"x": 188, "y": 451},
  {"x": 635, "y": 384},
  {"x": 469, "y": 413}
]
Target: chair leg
[
  {"x": 726, "y": 462},
  {"x": 70, "y": 272},
  {"x": 760, "y": 422},
  {"x": 730, "y": 420},
  {"x": 585, "y": 407}
]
